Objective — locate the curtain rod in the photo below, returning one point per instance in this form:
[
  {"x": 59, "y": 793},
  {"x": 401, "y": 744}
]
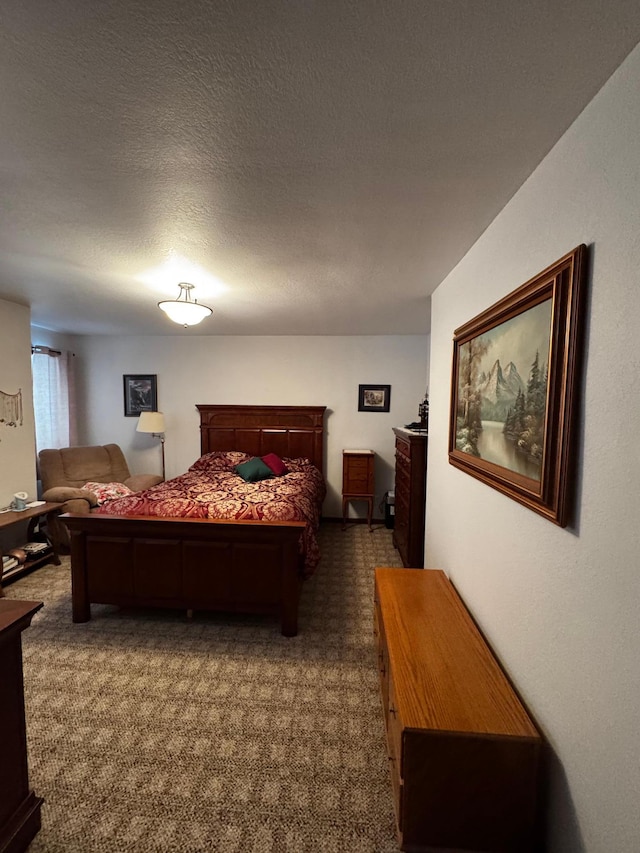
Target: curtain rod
[{"x": 45, "y": 351}]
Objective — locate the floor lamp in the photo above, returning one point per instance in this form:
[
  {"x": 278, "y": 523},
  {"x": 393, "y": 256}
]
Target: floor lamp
[{"x": 153, "y": 423}]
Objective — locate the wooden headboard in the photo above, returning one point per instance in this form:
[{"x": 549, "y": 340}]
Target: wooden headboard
[{"x": 291, "y": 431}]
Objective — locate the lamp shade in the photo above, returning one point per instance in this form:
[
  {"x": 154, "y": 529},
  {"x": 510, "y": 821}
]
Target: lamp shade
[
  {"x": 184, "y": 309},
  {"x": 152, "y": 422}
]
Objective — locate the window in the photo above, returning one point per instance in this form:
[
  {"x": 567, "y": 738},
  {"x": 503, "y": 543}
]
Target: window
[{"x": 53, "y": 397}]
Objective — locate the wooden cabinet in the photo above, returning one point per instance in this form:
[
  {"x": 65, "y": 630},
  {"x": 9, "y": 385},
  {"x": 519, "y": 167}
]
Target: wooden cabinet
[
  {"x": 410, "y": 495},
  {"x": 463, "y": 752},
  {"x": 358, "y": 482},
  {"x": 19, "y": 806}
]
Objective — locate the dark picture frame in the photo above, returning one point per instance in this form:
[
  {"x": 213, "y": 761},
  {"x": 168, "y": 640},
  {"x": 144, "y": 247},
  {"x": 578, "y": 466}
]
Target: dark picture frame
[
  {"x": 514, "y": 387},
  {"x": 140, "y": 393},
  {"x": 374, "y": 398}
]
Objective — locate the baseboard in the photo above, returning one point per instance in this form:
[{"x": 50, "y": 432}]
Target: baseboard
[{"x": 338, "y": 520}]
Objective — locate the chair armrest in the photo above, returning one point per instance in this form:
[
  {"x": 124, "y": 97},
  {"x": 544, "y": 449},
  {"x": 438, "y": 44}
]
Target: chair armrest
[
  {"x": 60, "y": 494},
  {"x": 140, "y": 482}
]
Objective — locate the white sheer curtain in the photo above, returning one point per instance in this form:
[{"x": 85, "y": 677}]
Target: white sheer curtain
[{"x": 53, "y": 398}]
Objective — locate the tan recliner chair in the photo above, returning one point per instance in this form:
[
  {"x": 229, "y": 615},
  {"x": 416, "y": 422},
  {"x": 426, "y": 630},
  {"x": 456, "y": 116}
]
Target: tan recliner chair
[{"x": 63, "y": 472}]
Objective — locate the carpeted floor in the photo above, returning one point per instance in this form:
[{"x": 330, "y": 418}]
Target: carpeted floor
[{"x": 154, "y": 734}]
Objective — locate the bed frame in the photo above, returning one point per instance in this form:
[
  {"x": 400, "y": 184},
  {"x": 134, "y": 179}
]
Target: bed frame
[{"x": 200, "y": 563}]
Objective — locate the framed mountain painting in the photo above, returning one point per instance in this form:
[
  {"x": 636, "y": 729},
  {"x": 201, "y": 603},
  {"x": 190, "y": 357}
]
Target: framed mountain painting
[{"x": 513, "y": 390}]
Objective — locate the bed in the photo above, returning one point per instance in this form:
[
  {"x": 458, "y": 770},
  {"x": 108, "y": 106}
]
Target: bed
[{"x": 250, "y": 564}]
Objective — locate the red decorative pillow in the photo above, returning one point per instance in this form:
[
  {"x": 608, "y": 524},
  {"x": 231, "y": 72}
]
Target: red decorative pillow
[
  {"x": 276, "y": 464},
  {"x": 108, "y": 491}
]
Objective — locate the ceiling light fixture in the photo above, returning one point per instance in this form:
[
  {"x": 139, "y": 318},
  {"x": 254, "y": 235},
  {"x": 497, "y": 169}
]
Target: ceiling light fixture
[{"x": 185, "y": 310}]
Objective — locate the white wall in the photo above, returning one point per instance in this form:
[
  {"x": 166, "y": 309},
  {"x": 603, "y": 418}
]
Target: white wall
[
  {"x": 17, "y": 453},
  {"x": 562, "y": 607},
  {"x": 261, "y": 370},
  {"x": 54, "y": 340}
]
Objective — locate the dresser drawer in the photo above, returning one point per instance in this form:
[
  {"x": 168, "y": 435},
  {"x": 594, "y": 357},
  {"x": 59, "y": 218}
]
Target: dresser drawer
[
  {"x": 394, "y": 745},
  {"x": 353, "y": 484},
  {"x": 382, "y": 661},
  {"x": 403, "y": 462},
  {"x": 403, "y": 481},
  {"x": 394, "y": 727},
  {"x": 402, "y": 503},
  {"x": 403, "y": 448},
  {"x": 403, "y": 475},
  {"x": 358, "y": 464}
]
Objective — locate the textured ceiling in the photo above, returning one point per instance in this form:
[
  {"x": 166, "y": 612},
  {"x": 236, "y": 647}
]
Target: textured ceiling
[{"x": 312, "y": 167}]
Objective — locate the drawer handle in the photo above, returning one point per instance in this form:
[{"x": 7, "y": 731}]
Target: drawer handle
[
  {"x": 383, "y": 670},
  {"x": 392, "y": 710}
]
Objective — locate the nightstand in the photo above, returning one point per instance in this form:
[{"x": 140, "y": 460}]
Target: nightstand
[{"x": 357, "y": 481}]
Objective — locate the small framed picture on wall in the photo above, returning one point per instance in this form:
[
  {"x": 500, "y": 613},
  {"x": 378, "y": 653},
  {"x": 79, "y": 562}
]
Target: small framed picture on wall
[
  {"x": 374, "y": 398},
  {"x": 140, "y": 394}
]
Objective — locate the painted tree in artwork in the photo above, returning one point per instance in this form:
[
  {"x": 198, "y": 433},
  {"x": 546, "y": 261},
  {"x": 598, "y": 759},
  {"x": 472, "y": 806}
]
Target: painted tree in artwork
[
  {"x": 468, "y": 414},
  {"x": 525, "y": 423},
  {"x": 536, "y": 390},
  {"x": 531, "y": 439},
  {"x": 515, "y": 421}
]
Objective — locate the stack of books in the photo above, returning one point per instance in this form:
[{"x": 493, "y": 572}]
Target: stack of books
[
  {"x": 34, "y": 550},
  {"x": 8, "y": 563}
]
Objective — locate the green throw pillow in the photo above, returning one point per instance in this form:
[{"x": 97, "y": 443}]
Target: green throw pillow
[{"x": 253, "y": 470}]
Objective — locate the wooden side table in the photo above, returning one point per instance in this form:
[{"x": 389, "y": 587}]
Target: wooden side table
[
  {"x": 33, "y": 516},
  {"x": 358, "y": 482},
  {"x": 19, "y": 806}
]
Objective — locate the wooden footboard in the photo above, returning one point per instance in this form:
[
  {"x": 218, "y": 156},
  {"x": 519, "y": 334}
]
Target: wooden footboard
[{"x": 192, "y": 564}]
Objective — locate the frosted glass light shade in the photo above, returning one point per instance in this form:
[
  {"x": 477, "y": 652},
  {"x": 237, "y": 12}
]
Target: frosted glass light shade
[
  {"x": 152, "y": 422},
  {"x": 185, "y": 311}
]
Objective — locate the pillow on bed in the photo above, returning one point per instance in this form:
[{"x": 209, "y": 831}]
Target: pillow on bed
[
  {"x": 219, "y": 460},
  {"x": 276, "y": 464},
  {"x": 298, "y": 465},
  {"x": 108, "y": 491},
  {"x": 254, "y": 470}
]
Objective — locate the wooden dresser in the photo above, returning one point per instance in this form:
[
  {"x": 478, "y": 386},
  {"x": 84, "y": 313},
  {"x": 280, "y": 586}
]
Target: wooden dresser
[
  {"x": 410, "y": 490},
  {"x": 463, "y": 753},
  {"x": 19, "y": 806}
]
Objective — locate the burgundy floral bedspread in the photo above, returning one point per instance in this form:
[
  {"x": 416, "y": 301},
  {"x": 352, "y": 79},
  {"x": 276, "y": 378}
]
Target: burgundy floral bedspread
[{"x": 212, "y": 489}]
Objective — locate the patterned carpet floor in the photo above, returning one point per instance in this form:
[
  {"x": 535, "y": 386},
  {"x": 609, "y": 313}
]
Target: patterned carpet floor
[{"x": 152, "y": 733}]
